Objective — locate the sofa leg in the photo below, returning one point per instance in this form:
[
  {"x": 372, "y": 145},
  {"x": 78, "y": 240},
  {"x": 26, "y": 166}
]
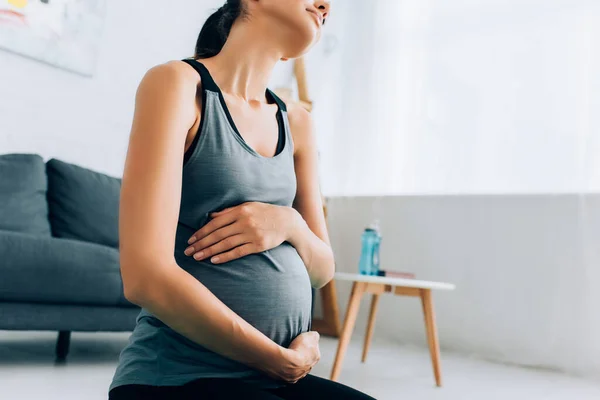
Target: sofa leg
[{"x": 62, "y": 345}]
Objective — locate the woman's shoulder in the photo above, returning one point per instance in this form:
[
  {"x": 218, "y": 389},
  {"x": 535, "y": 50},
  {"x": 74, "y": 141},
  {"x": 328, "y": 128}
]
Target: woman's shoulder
[
  {"x": 297, "y": 114},
  {"x": 168, "y": 91},
  {"x": 301, "y": 125},
  {"x": 173, "y": 75}
]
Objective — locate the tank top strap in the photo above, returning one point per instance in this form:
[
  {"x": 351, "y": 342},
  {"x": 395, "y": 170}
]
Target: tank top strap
[
  {"x": 207, "y": 81},
  {"x": 277, "y": 100},
  {"x": 209, "y": 85}
]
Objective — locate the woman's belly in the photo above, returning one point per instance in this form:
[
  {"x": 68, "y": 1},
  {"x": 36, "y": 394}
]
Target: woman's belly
[{"x": 270, "y": 290}]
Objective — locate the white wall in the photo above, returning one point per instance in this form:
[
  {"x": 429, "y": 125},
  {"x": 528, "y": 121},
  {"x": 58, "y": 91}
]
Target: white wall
[
  {"x": 87, "y": 121},
  {"x": 525, "y": 267},
  {"x": 465, "y": 96}
]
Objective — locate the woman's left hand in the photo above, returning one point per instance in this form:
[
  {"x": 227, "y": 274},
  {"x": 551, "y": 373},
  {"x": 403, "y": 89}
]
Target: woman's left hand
[{"x": 241, "y": 230}]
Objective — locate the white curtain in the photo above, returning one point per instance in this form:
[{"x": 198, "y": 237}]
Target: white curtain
[{"x": 459, "y": 97}]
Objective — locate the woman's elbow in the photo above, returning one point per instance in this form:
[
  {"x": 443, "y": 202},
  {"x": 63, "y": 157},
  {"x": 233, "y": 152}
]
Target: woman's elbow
[
  {"x": 136, "y": 274},
  {"x": 131, "y": 285},
  {"x": 321, "y": 282},
  {"x": 131, "y": 294},
  {"x": 327, "y": 274}
]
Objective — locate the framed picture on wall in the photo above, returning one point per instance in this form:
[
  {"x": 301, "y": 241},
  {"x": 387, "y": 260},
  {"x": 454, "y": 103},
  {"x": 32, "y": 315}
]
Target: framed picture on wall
[{"x": 63, "y": 33}]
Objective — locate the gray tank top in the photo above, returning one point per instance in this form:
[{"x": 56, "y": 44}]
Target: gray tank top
[{"x": 271, "y": 290}]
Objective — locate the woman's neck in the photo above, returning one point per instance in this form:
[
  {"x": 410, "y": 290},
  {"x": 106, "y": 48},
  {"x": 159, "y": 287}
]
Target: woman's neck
[{"x": 244, "y": 65}]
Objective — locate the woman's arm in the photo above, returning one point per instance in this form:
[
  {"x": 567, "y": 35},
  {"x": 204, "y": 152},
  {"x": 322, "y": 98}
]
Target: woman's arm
[
  {"x": 165, "y": 111},
  {"x": 309, "y": 235}
]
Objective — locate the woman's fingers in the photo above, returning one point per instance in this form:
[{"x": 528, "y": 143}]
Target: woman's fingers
[
  {"x": 222, "y": 211},
  {"x": 227, "y": 244},
  {"x": 214, "y": 224},
  {"x": 214, "y": 238},
  {"x": 303, "y": 375},
  {"x": 237, "y": 252}
]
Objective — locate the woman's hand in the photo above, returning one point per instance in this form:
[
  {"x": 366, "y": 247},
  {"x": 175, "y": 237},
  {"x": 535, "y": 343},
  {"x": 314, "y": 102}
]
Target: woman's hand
[
  {"x": 241, "y": 230},
  {"x": 298, "y": 360}
]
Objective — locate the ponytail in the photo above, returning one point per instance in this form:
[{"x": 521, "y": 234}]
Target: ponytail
[{"x": 216, "y": 29}]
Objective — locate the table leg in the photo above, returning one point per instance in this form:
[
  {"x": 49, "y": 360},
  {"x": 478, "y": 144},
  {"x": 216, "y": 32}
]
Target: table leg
[
  {"x": 370, "y": 326},
  {"x": 432, "y": 336},
  {"x": 358, "y": 288}
]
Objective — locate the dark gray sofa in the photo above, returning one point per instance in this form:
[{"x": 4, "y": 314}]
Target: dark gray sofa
[{"x": 59, "y": 263}]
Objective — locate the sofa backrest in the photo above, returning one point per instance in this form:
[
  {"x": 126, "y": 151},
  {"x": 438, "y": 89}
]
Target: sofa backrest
[
  {"x": 83, "y": 204},
  {"x": 23, "y": 185}
]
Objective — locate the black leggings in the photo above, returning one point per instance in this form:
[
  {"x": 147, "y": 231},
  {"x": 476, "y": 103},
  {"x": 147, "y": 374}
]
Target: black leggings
[{"x": 310, "y": 387}]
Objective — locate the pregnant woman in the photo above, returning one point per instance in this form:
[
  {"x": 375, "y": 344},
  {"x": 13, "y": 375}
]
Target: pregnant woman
[{"x": 222, "y": 233}]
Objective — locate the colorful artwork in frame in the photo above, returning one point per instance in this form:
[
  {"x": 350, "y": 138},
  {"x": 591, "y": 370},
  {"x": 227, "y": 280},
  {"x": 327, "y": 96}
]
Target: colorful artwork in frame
[{"x": 63, "y": 33}]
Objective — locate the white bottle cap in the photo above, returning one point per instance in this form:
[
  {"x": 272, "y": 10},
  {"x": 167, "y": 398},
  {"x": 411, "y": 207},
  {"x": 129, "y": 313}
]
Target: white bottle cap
[{"x": 374, "y": 225}]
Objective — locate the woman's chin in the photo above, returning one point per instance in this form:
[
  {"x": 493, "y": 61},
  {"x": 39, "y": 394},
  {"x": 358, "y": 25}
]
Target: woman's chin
[
  {"x": 301, "y": 47},
  {"x": 295, "y": 55}
]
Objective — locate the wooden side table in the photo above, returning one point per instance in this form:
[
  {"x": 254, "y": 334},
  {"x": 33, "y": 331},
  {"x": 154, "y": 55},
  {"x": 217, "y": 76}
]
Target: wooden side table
[{"x": 377, "y": 285}]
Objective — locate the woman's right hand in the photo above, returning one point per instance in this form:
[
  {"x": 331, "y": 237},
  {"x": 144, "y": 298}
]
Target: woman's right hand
[{"x": 299, "y": 358}]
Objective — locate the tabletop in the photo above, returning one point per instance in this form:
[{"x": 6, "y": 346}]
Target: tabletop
[{"x": 414, "y": 283}]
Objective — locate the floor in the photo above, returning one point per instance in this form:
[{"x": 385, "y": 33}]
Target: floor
[{"x": 392, "y": 371}]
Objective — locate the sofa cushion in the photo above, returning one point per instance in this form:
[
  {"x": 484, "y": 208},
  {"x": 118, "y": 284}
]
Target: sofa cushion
[
  {"x": 83, "y": 204},
  {"x": 23, "y": 206},
  {"x": 43, "y": 269}
]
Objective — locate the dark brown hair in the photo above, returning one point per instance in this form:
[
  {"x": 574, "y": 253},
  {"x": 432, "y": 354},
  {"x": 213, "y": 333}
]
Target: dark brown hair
[{"x": 216, "y": 29}]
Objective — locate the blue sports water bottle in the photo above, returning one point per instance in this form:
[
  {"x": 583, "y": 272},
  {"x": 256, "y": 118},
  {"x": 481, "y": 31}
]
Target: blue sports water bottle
[{"x": 369, "y": 257}]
